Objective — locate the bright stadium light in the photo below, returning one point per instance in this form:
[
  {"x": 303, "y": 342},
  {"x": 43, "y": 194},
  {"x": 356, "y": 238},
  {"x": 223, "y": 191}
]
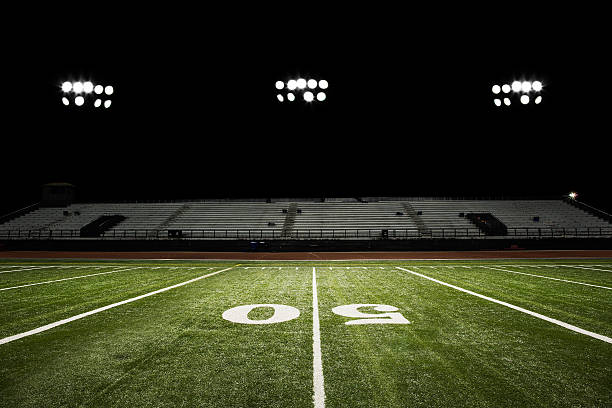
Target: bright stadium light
[
  {"x": 88, "y": 87},
  {"x": 526, "y": 86},
  {"x": 302, "y": 89},
  {"x": 77, "y": 87},
  {"x": 497, "y": 102},
  {"x": 536, "y": 86},
  {"x": 573, "y": 195},
  {"x": 82, "y": 92},
  {"x": 523, "y": 92}
]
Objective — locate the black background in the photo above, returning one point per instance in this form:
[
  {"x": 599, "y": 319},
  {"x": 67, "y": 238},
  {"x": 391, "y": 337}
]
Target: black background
[{"x": 409, "y": 110}]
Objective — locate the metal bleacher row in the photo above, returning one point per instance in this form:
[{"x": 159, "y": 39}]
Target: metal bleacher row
[{"x": 334, "y": 218}]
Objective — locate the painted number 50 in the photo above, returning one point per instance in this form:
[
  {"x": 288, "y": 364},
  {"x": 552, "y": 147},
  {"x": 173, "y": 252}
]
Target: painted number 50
[{"x": 282, "y": 313}]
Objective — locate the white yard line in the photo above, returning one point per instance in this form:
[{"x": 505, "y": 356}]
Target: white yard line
[
  {"x": 65, "y": 279},
  {"x": 318, "y": 397},
  {"x": 547, "y": 277},
  {"x": 517, "y": 308},
  {"x": 30, "y": 269},
  {"x": 102, "y": 309}
]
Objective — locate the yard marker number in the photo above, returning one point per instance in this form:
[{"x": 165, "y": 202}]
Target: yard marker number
[
  {"x": 390, "y": 314},
  {"x": 240, "y": 314}
]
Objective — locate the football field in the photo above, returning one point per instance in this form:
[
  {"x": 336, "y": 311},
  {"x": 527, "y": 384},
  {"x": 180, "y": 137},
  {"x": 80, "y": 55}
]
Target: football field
[{"x": 453, "y": 333}]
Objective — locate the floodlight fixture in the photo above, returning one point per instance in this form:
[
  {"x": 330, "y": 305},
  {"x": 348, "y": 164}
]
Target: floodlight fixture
[
  {"x": 536, "y": 86},
  {"x": 526, "y": 86},
  {"x": 520, "y": 91},
  {"x": 573, "y": 195},
  {"x": 80, "y": 91},
  {"x": 88, "y": 87},
  {"x": 301, "y": 88},
  {"x": 77, "y": 87}
]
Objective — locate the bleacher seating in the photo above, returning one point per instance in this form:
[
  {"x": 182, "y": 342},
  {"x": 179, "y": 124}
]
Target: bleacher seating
[{"x": 333, "y": 218}]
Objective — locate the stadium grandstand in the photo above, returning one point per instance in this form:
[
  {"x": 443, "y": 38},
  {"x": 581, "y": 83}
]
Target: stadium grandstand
[{"x": 301, "y": 220}]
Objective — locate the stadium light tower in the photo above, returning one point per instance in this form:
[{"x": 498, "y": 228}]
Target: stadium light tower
[
  {"x": 307, "y": 90},
  {"x": 525, "y": 92},
  {"x": 573, "y": 195},
  {"x": 84, "y": 93}
]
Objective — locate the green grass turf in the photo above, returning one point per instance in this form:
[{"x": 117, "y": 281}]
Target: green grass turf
[{"x": 175, "y": 349}]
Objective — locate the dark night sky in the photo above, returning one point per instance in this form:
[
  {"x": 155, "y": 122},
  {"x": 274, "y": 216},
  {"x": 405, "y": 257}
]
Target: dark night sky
[{"x": 409, "y": 109}]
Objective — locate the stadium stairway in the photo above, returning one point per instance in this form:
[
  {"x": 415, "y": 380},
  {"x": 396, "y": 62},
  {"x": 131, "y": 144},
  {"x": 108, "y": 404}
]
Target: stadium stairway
[
  {"x": 289, "y": 220},
  {"x": 172, "y": 217},
  {"x": 413, "y": 214}
]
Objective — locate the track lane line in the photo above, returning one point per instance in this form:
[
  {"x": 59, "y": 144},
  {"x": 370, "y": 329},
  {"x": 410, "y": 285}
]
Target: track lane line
[
  {"x": 102, "y": 309},
  {"x": 517, "y": 308},
  {"x": 547, "y": 277},
  {"x": 66, "y": 279}
]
